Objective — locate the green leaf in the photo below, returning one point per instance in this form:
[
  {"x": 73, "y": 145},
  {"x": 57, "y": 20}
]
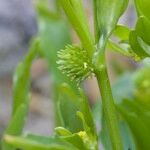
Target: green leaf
[
  {"x": 42, "y": 8},
  {"x": 128, "y": 139},
  {"x": 89, "y": 134},
  {"x": 64, "y": 138},
  {"x": 143, "y": 29},
  {"x": 67, "y": 106},
  {"x": 16, "y": 125},
  {"x": 86, "y": 111},
  {"x": 122, "y": 48},
  {"x": 143, "y": 7},
  {"x": 140, "y": 38},
  {"x": 54, "y": 35},
  {"x": 142, "y": 84},
  {"x": 62, "y": 131},
  {"x": 121, "y": 44},
  {"x": 123, "y": 88},
  {"x": 21, "y": 83},
  {"x": 109, "y": 12},
  {"x": 35, "y": 143},
  {"x": 85, "y": 125},
  {"x": 126, "y": 133},
  {"x": 122, "y": 32},
  {"x": 21, "y": 80},
  {"x": 134, "y": 115},
  {"x": 75, "y": 140},
  {"x": 75, "y": 13},
  {"x": 133, "y": 86},
  {"x": 144, "y": 46},
  {"x": 69, "y": 103},
  {"x": 136, "y": 112},
  {"x": 41, "y": 139},
  {"x": 137, "y": 121},
  {"x": 136, "y": 46}
]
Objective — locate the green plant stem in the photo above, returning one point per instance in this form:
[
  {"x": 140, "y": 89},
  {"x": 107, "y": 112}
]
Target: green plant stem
[
  {"x": 80, "y": 24},
  {"x": 107, "y": 100},
  {"x": 97, "y": 32}
]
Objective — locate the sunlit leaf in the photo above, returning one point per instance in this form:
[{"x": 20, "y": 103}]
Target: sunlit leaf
[
  {"x": 137, "y": 121},
  {"x": 143, "y": 7},
  {"x": 140, "y": 39},
  {"x": 75, "y": 13},
  {"x": 35, "y": 143},
  {"x": 16, "y": 125},
  {"x": 109, "y": 12},
  {"x": 21, "y": 80},
  {"x": 67, "y": 106}
]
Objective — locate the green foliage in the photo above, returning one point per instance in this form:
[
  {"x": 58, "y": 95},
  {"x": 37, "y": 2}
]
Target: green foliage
[
  {"x": 106, "y": 10},
  {"x": 75, "y": 13},
  {"x": 136, "y": 116},
  {"x": 21, "y": 79},
  {"x": 133, "y": 110},
  {"x": 138, "y": 120},
  {"x": 126, "y": 135},
  {"x": 67, "y": 106},
  {"x": 38, "y": 143},
  {"x": 124, "y": 110},
  {"x": 21, "y": 84},
  {"x": 143, "y": 8},
  {"x": 108, "y": 14},
  {"x": 16, "y": 125},
  {"x": 135, "y": 43},
  {"x": 53, "y": 35},
  {"x": 142, "y": 83},
  {"x": 76, "y": 115},
  {"x": 140, "y": 39}
]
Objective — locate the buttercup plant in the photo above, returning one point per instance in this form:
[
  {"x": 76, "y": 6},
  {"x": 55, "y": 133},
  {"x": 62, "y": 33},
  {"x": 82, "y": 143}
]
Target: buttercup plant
[
  {"x": 71, "y": 64},
  {"x": 106, "y": 16},
  {"x": 105, "y": 22}
]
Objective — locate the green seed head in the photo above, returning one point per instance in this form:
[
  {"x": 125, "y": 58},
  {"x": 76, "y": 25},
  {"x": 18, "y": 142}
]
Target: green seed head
[{"x": 75, "y": 63}]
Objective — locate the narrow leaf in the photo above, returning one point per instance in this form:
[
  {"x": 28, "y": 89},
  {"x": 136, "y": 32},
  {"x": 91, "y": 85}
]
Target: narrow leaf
[
  {"x": 16, "y": 125},
  {"x": 143, "y": 7},
  {"x": 28, "y": 144},
  {"x": 21, "y": 80},
  {"x": 109, "y": 12}
]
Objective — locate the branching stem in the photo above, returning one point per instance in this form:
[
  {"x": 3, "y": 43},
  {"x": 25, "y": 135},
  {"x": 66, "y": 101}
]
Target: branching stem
[{"x": 107, "y": 101}]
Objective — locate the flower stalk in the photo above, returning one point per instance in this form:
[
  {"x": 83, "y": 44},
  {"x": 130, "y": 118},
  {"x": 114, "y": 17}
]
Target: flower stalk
[
  {"x": 108, "y": 105},
  {"x": 103, "y": 29}
]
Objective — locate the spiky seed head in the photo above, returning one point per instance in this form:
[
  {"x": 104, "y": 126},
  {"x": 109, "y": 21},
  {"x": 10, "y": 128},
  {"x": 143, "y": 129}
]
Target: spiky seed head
[{"x": 75, "y": 63}]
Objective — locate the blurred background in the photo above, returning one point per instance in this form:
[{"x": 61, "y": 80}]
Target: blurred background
[{"x": 18, "y": 25}]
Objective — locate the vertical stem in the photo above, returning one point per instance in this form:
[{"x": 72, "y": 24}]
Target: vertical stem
[
  {"x": 107, "y": 98},
  {"x": 109, "y": 109},
  {"x": 97, "y": 32}
]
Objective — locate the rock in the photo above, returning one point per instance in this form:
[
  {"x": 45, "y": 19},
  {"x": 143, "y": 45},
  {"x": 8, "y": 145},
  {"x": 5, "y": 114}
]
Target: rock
[{"x": 17, "y": 26}]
